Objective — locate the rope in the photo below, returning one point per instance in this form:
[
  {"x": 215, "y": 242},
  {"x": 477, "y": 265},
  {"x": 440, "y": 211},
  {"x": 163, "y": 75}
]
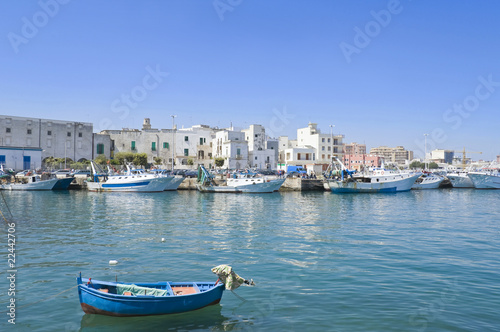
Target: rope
[
  {"x": 45, "y": 299},
  {"x": 242, "y": 299},
  {"x": 3, "y": 197}
]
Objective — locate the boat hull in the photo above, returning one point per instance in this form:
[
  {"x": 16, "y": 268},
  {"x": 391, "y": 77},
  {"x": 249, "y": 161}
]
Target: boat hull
[
  {"x": 253, "y": 188},
  {"x": 140, "y": 185},
  {"x": 94, "y": 301},
  {"x": 427, "y": 183},
  {"x": 484, "y": 180},
  {"x": 351, "y": 186},
  {"x": 63, "y": 184},
  {"x": 39, "y": 185},
  {"x": 174, "y": 183},
  {"x": 460, "y": 181}
]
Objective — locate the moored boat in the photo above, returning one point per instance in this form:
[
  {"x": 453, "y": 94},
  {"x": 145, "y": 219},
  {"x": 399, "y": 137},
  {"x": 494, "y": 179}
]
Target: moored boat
[
  {"x": 132, "y": 181},
  {"x": 376, "y": 181},
  {"x": 485, "y": 179},
  {"x": 460, "y": 180},
  {"x": 154, "y": 298},
  {"x": 428, "y": 181},
  {"x": 33, "y": 182},
  {"x": 239, "y": 184}
]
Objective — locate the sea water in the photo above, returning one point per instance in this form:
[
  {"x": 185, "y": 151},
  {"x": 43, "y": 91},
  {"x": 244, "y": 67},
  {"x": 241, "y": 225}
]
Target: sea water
[{"x": 413, "y": 261}]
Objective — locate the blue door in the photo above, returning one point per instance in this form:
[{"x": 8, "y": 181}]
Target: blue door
[{"x": 26, "y": 162}]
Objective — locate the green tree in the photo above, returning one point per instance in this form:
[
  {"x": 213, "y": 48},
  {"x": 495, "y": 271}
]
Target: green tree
[
  {"x": 416, "y": 164},
  {"x": 157, "y": 160},
  {"x": 190, "y": 161},
  {"x": 433, "y": 165},
  {"x": 101, "y": 159},
  {"x": 140, "y": 159},
  {"x": 122, "y": 156},
  {"x": 219, "y": 162}
]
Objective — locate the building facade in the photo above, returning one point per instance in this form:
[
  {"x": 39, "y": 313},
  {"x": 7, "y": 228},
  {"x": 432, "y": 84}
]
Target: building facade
[
  {"x": 232, "y": 146},
  {"x": 360, "y": 162},
  {"x": 397, "y": 155},
  {"x": 55, "y": 138},
  {"x": 262, "y": 152},
  {"x": 354, "y": 148}
]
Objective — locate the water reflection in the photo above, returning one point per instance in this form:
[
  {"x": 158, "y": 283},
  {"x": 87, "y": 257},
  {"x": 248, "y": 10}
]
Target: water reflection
[{"x": 209, "y": 318}]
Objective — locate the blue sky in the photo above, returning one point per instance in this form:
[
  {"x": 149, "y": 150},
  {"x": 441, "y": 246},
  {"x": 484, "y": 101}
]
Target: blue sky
[{"x": 382, "y": 72}]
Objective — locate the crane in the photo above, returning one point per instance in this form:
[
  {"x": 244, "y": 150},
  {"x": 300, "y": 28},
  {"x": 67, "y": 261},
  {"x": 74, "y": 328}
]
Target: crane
[{"x": 464, "y": 152}]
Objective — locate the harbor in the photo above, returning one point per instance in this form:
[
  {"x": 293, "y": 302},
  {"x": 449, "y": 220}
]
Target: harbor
[{"x": 413, "y": 261}]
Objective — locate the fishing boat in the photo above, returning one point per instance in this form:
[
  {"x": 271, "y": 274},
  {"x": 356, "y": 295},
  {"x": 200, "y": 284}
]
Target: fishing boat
[
  {"x": 238, "y": 183},
  {"x": 131, "y": 181},
  {"x": 63, "y": 184},
  {"x": 460, "y": 180},
  {"x": 378, "y": 180},
  {"x": 486, "y": 179},
  {"x": 154, "y": 298},
  {"x": 33, "y": 182},
  {"x": 428, "y": 181}
]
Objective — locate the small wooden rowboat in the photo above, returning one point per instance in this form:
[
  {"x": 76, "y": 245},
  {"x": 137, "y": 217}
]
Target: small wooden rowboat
[{"x": 141, "y": 299}]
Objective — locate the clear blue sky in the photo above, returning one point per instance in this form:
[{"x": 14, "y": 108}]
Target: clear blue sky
[{"x": 382, "y": 72}]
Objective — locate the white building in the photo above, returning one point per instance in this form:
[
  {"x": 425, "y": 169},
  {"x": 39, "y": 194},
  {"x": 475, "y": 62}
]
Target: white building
[
  {"x": 312, "y": 148},
  {"x": 232, "y": 146},
  {"x": 20, "y": 158},
  {"x": 262, "y": 151},
  {"x": 325, "y": 145},
  {"x": 55, "y": 138},
  {"x": 191, "y": 145}
]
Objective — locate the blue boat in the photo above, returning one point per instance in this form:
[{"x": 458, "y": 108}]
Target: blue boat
[
  {"x": 142, "y": 299},
  {"x": 63, "y": 184}
]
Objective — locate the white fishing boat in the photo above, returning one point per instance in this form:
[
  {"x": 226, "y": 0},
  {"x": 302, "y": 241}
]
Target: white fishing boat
[
  {"x": 239, "y": 184},
  {"x": 428, "y": 181},
  {"x": 487, "y": 179},
  {"x": 460, "y": 180},
  {"x": 33, "y": 182},
  {"x": 174, "y": 180},
  {"x": 131, "y": 181},
  {"x": 379, "y": 180}
]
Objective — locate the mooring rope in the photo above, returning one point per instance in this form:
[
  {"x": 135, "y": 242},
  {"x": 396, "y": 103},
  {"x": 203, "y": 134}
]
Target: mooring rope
[{"x": 6, "y": 205}]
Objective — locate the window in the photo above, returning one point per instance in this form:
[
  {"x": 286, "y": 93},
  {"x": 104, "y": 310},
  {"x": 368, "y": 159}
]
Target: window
[
  {"x": 328, "y": 140},
  {"x": 322, "y": 148},
  {"x": 80, "y": 135},
  {"x": 29, "y": 131},
  {"x": 132, "y": 146},
  {"x": 165, "y": 145},
  {"x": 201, "y": 140},
  {"x": 69, "y": 133},
  {"x": 153, "y": 146},
  {"x": 329, "y": 148},
  {"x": 238, "y": 152},
  {"x": 49, "y": 132},
  {"x": 322, "y": 140},
  {"x": 100, "y": 148},
  {"x": 186, "y": 138},
  {"x": 186, "y": 152},
  {"x": 322, "y": 156},
  {"x": 298, "y": 156},
  {"x": 7, "y": 130},
  {"x": 2, "y": 159}
]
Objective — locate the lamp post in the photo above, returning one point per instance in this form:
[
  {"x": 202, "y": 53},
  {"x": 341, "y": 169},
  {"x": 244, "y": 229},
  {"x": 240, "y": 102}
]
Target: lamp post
[
  {"x": 65, "y": 145},
  {"x": 173, "y": 141},
  {"x": 331, "y": 138},
  {"x": 425, "y": 151}
]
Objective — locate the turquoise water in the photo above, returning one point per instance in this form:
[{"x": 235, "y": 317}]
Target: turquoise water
[{"x": 416, "y": 261}]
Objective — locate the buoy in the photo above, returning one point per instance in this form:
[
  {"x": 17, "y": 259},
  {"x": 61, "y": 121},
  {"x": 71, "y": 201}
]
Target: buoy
[
  {"x": 162, "y": 239},
  {"x": 113, "y": 262}
]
